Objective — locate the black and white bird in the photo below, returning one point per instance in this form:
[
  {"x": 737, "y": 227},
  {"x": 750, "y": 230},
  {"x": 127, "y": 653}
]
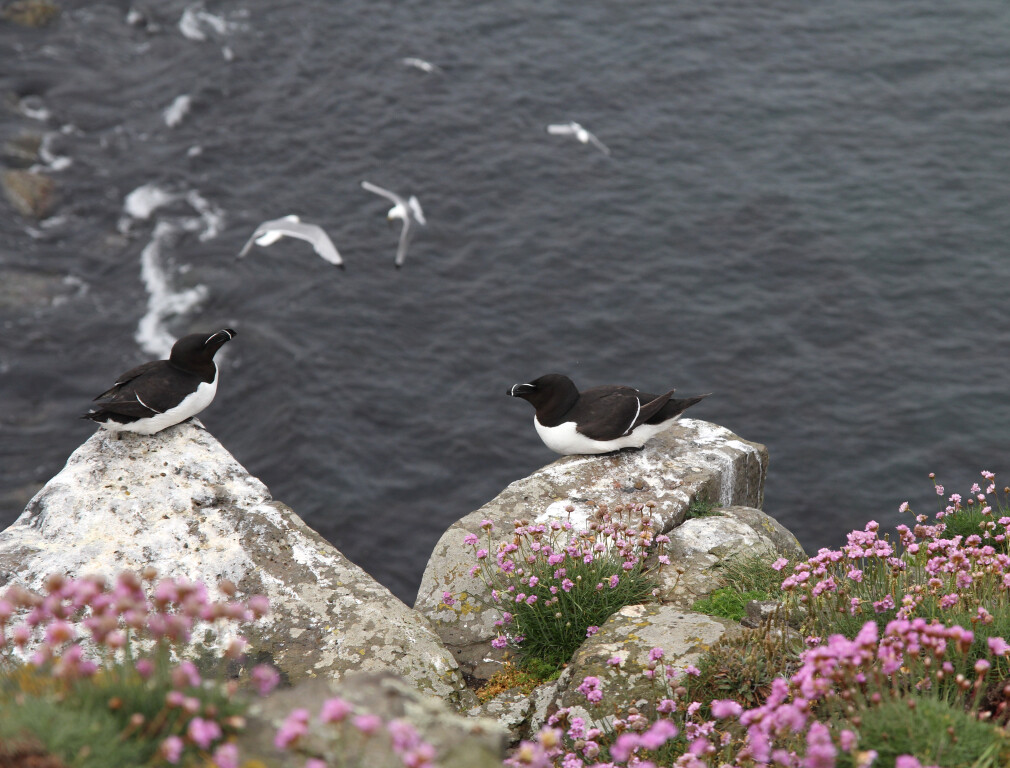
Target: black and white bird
[
  {"x": 407, "y": 211},
  {"x": 269, "y": 232},
  {"x": 600, "y": 419},
  {"x": 156, "y": 395},
  {"x": 576, "y": 131}
]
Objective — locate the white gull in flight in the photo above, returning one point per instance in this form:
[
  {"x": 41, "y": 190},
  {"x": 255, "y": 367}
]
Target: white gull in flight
[
  {"x": 406, "y": 210},
  {"x": 421, "y": 64},
  {"x": 580, "y": 133},
  {"x": 269, "y": 232}
]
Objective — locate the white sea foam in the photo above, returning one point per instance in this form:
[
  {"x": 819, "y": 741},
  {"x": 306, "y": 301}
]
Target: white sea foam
[
  {"x": 176, "y": 112},
  {"x": 145, "y": 200},
  {"x": 198, "y": 24},
  {"x": 164, "y": 302},
  {"x": 33, "y": 108}
]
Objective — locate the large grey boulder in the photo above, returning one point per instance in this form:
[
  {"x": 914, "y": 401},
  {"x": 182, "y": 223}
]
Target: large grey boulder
[
  {"x": 691, "y": 460},
  {"x": 630, "y": 635},
  {"x": 459, "y": 741},
  {"x": 180, "y": 502},
  {"x": 700, "y": 547}
]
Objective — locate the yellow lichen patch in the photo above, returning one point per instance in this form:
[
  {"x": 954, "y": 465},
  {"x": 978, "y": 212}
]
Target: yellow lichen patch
[{"x": 508, "y": 677}]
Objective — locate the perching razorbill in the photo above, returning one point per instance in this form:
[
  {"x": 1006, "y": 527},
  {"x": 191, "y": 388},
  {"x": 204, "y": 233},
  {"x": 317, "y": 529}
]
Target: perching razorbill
[
  {"x": 156, "y": 395},
  {"x": 600, "y": 419}
]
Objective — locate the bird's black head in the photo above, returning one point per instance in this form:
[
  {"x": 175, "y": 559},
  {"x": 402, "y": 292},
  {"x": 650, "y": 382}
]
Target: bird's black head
[
  {"x": 550, "y": 391},
  {"x": 198, "y": 349}
]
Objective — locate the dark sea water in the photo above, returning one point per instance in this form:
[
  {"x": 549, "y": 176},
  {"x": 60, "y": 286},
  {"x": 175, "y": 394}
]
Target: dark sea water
[{"x": 806, "y": 211}]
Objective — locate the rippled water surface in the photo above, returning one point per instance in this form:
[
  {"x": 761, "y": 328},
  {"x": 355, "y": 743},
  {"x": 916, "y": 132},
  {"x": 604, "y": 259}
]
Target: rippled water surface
[{"x": 805, "y": 212}]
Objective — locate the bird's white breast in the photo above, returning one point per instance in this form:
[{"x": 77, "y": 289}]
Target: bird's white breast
[{"x": 566, "y": 440}]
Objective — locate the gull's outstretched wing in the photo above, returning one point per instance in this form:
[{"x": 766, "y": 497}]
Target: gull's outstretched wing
[
  {"x": 311, "y": 233},
  {"x": 415, "y": 208},
  {"x": 567, "y": 129},
  {"x": 598, "y": 144},
  {"x": 401, "y": 249},
  {"x": 424, "y": 66},
  {"x": 385, "y": 193}
]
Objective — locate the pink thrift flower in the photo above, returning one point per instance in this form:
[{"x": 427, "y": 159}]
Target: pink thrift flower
[
  {"x": 448, "y": 599},
  {"x": 265, "y": 678},
  {"x": 590, "y": 631},
  {"x": 656, "y": 654},
  {"x": 615, "y": 661},
  {"x": 203, "y": 732},
  {"x": 470, "y": 538},
  {"x": 779, "y": 564},
  {"x": 335, "y": 710},
  {"x": 186, "y": 675},
  {"x": 692, "y": 670},
  {"x": 998, "y": 646},
  {"x": 171, "y": 749},
  {"x": 226, "y": 756},
  {"x": 723, "y": 708},
  {"x": 499, "y": 642},
  {"x": 295, "y": 726},
  {"x": 367, "y": 724}
]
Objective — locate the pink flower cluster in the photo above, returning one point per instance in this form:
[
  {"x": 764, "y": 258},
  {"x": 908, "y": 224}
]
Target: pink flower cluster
[
  {"x": 404, "y": 740},
  {"x": 77, "y": 627},
  {"x": 539, "y": 564}
]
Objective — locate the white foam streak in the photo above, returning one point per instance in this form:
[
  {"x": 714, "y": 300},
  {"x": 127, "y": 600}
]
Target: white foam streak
[
  {"x": 145, "y": 200},
  {"x": 176, "y": 112},
  {"x": 163, "y": 302},
  {"x": 196, "y": 23}
]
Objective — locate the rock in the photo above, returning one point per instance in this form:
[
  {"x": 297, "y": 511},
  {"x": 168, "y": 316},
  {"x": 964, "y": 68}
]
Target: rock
[
  {"x": 459, "y": 741},
  {"x": 510, "y": 709},
  {"x": 22, "y": 151},
  {"x": 700, "y": 546},
  {"x": 631, "y": 634},
  {"x": 180, "y": 502},
  {"x": 782, "y": 541},
  {"x": 32, "y": 194},
  {"x": 31, "y": 13},
  {"x": 693, "y": 459}
]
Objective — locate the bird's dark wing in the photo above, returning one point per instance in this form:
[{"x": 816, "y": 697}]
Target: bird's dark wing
[
  {"x": 129, "y": 376},
  {"x": 604, "y": 413},
  {"x": 650, "y": 407},
  {"x": 148, "y": 389}
]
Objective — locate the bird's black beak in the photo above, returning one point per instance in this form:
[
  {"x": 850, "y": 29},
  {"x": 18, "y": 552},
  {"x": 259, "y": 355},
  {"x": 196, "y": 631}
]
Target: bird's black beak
[{"x": 518, "y": 390}]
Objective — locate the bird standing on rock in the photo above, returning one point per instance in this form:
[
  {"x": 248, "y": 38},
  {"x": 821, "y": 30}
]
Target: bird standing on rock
[
  {"x": 159, "y": 394},
  {"x": 600, "y": 419}
]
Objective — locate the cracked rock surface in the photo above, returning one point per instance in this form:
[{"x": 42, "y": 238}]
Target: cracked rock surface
[{"x": 180, "y": 502}]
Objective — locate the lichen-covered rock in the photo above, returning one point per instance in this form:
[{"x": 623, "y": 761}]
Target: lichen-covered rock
[
  {"x": 700, "y": 546},
  {"x": 32, "y": 194},
  {"x": 459, "y": 741},
  {"x": 631, "y": 634},
  {"x": 510, "y": 709},
  {"x": 180, "y": 502},
  {"x": 693, "y": 459}
]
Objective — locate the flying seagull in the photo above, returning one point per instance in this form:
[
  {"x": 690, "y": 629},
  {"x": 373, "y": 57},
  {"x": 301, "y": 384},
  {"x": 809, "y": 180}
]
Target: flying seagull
[
  {"x": 580, "y": 133},
  {"x": 600, "y": 419},
  {"x": 405, "y": 210},
  {"x": 156, "y": 395},
  {"x": 269, "y": 232},
  {"x": 421, "y": 64}
]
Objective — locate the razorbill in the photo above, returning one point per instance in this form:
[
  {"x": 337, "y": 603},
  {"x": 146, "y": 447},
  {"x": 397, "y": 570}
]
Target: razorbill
[
  {"x": 406, "y": 210},
  {"x": 600, "y": 419},
  {"x": 577, "y": 131},
  {"x": 156, "y": 395},
  {"x": 269, "y": 232}
]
